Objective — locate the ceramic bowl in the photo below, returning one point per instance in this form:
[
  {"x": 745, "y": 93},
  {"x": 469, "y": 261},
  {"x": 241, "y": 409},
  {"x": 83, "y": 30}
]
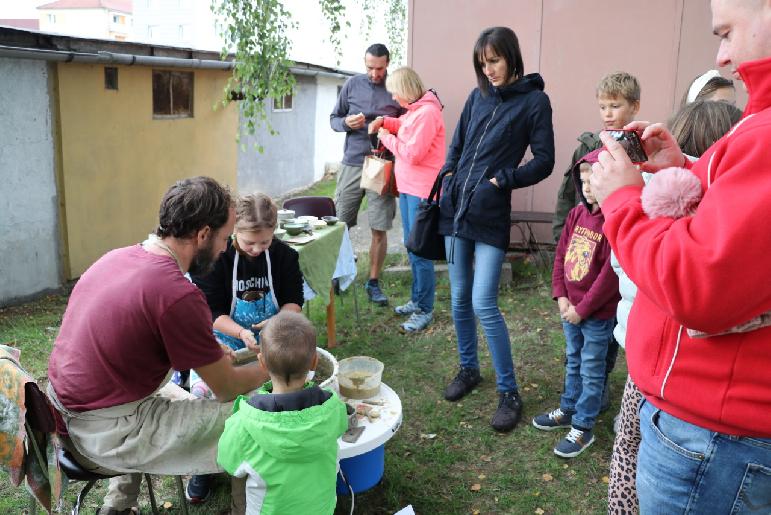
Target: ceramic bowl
[
  {"x": 279, "y": 233},
  {"x": 330, "y": 220},
  {"x": 294, "y": 228}
]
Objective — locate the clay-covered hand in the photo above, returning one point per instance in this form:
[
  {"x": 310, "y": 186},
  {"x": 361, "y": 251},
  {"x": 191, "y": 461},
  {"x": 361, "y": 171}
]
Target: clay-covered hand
[{"x": 248, "y": 338}]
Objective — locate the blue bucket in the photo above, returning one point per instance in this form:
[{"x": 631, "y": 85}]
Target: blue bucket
[{"x": 362, "y": 472}]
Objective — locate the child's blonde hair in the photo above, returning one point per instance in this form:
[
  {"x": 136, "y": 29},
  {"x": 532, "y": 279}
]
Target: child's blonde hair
[
  {"x": 406, "y": 83},
  {"x": 619, "y": 84},
  {"x": 255, "y": 212},
  {"x": 287, "y": 345}
]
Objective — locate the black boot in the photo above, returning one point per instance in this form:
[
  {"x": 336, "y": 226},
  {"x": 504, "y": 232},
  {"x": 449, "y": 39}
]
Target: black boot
[
  {"x": 463, "y": 383},
  {"x": 508, "y": 413}
]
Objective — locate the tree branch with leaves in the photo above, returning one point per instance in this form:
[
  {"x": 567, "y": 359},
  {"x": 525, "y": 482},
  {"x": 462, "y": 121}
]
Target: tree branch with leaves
[{"x": 255, "y": 31}]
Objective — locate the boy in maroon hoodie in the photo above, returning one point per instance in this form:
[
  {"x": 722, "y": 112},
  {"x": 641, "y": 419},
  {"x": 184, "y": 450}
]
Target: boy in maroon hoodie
[{"x": 586, "y": 291}]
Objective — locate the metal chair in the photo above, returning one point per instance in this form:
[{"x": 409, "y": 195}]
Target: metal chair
[{"x": 319, "y": 206}]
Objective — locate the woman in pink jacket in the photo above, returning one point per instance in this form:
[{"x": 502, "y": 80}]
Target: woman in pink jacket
[{"x": 417, "y": 140}]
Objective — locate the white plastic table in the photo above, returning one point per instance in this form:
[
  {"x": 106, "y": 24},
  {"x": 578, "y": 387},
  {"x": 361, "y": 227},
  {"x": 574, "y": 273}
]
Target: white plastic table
[{"x": 380, "y": 430}]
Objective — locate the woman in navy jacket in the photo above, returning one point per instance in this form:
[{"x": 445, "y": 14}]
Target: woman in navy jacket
[{"x": 502, "y": 117}]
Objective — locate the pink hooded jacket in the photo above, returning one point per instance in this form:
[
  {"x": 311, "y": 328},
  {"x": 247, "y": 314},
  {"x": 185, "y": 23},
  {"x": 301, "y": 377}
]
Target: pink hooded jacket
[{"x": 417, "y": 141}]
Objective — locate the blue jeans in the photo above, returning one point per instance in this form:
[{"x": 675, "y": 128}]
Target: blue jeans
[
  {"x": 474, "y": 276},
  {"x": 423, "y": 280},
  {"x": 684, "y": 468},
  {"x": 586, "y": 346}
]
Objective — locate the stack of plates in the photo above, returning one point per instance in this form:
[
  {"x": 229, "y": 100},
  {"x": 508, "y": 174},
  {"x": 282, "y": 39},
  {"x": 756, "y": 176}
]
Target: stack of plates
[{"x": 285, "y": 214}]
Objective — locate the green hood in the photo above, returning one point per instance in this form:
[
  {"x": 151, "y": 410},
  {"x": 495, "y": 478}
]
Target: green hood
[
  {"x": 292, "y": 436},
  {"x": 278, "y": 451}
]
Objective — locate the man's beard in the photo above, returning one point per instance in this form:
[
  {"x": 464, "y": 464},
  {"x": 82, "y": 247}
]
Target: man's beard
[{"x": 203, "y": 260}]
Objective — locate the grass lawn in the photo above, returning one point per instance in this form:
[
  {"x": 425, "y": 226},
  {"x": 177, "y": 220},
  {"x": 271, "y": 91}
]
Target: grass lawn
[{"x": 467, "y": 467}]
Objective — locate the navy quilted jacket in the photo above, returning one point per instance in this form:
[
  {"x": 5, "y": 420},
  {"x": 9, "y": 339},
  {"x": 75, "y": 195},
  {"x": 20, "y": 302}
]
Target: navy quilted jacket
[{"x": 491, "y": 138}]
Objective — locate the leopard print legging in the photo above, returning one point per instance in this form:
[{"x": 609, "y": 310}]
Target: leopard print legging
[{"x": 622, "y": 493}]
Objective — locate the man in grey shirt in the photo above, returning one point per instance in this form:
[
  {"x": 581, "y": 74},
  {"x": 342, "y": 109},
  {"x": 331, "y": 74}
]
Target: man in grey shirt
[{"x": 362, "y": 99}]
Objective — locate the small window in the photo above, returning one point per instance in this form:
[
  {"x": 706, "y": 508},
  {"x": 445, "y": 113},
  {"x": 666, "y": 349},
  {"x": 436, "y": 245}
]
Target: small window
[
  {"x": 51, "y": 18},
  {"x": 172, "y": 94},
  {"x": 283, "y": 104},
  {"x": 118, "y": 19},
  {"x": 110, "y": 77}
]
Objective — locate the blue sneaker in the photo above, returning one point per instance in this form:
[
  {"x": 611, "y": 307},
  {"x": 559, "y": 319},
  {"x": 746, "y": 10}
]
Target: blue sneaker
[
  {"x": 574, "y": 443},
  {"x": 417, "y": 321},
  {"x": 198, "y": 489},
  {"x": 406, "y": 309},
  {"x": 556, "y": 419}
]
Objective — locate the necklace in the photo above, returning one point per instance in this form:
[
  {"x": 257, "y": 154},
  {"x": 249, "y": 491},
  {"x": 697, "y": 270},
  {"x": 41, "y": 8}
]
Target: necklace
[{"x": 155, "y": 240}]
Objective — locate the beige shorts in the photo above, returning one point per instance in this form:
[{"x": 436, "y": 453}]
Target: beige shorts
[
  {"x": 381, "y": 209},
  {"x": 169, "y": 433}
]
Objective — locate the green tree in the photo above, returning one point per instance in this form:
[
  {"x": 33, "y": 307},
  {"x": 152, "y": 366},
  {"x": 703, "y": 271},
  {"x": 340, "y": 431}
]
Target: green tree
[{"x": 256, "y": 32}]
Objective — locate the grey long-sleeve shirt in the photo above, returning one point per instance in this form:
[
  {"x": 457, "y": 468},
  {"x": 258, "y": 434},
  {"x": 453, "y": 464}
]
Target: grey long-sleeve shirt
[{"x": 359, "y": 95}]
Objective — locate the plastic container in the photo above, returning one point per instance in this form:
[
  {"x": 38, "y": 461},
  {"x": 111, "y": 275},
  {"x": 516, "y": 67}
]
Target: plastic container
[
  {"x": 362, "y": 472},
  {"x": 359, "y": 377}
]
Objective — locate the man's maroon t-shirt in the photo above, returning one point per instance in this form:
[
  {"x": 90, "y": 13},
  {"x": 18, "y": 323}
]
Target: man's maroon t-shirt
[{"x": 131, "y": 317}]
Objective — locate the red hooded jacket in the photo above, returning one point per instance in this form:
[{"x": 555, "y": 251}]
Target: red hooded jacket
[{"x": 709, "y": 272}]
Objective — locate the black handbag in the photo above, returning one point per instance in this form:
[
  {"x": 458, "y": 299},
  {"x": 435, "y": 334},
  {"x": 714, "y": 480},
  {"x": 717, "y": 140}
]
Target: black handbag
[{"x": 424, "y": 239}]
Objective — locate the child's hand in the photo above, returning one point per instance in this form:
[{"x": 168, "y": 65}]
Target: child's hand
[
  {"x": 248, "y": 338},
  {"x": 383, "y": 132},
  {"x": 260, "y": 325},
  {"x": 563, "y": 303},
  {"x": 571, "y": 315}
]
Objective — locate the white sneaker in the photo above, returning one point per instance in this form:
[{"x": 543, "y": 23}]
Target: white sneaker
[
  {"x": 406, "y": 309},
  {"x": 418, "y": 321}
]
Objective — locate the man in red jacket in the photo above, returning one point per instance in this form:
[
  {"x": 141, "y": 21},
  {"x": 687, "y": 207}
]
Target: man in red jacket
[{"x": 706, "y": 417}]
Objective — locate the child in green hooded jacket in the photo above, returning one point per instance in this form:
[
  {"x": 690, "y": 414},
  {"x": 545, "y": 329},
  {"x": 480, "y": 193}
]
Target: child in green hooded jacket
[{"x": 283, "y": 439}]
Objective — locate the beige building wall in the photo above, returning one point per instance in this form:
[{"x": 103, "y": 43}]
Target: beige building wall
[
  {"x": 117, "y": 160},
  {"x": 572, "y": 43}
]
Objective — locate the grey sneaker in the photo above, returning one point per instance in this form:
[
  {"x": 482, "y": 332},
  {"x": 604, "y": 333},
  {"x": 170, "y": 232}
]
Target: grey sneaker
[
  {"x": 406, "y": 309},
  {"x": 574, "y": 443},
  {"x": 556, "y": 419},
  {"x": 418, "y": 321},
  {"x": 375, "y": 294}
]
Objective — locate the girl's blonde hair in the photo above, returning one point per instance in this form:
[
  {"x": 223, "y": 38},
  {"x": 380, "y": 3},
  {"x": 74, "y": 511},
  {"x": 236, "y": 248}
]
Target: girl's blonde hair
[
  {"x": 700, "y": 124},
  {"x": 406, "y": 83},
  {"x": 255, "y": 212}
]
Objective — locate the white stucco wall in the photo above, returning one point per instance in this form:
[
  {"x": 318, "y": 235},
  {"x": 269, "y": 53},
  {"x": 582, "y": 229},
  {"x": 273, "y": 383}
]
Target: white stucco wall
[
  {"x": 28, "y": 200},
  {"x": 329, "y": 144}
]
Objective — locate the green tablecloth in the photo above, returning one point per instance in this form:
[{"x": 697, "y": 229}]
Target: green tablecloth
[{"x": 319, "y": 257}]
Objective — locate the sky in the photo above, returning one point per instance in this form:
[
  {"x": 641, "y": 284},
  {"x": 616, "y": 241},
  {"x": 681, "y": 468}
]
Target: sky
[{"x": 310, "y": 39}]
